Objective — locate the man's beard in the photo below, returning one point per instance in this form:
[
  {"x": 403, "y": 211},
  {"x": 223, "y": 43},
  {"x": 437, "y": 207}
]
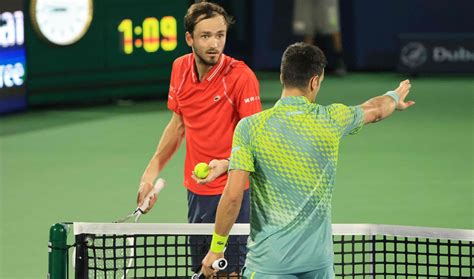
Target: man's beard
[{"x": 207, "y": 62}]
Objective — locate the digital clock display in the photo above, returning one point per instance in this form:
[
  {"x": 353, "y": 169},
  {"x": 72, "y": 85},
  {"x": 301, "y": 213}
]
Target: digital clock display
[
  {"x": 12, "y": 56},
  {"x": 152, "y": 35},
  {"x": 148, "y": 34}
]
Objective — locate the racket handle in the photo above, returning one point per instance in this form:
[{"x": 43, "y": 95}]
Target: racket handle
[
  {"x": 219, "y": 264},
  {"x": 159, "y": 185}
]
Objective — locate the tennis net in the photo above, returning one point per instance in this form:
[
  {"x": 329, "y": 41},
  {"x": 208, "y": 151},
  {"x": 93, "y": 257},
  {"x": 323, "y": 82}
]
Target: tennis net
[{"x": 103, "y": 250}]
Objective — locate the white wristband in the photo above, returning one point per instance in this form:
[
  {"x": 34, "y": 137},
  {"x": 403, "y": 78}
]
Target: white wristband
[{"x": 393, "y": 95}]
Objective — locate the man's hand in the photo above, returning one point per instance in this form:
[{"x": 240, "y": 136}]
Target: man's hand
[
  {"x": 143, "y": 190},
  {"x": 402, "y": 91},
  {"x": 216, "y": 169},
  {"x": 210, "y": 258}
]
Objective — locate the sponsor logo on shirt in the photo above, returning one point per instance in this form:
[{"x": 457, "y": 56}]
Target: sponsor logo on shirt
[
  {"x": 251, "y": 99},
  {"x": 294, "y": 112}
]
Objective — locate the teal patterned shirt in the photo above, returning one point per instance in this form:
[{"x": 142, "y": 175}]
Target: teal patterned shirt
[{"x": 291, "y": 152}]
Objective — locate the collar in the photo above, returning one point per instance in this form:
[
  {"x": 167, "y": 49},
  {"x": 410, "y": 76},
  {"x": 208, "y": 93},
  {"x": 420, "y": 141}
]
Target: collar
[
  {"x": 293, "y": 100},
  {"x": 211, "y": 74}
]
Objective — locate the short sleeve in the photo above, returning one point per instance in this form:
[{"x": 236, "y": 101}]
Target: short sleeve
[
  {"x": 241, "y": 156},
  {"x": 248, "y": 94},
  {"x": 173, "y": 103},
  {"x": 349, "y": 119}
]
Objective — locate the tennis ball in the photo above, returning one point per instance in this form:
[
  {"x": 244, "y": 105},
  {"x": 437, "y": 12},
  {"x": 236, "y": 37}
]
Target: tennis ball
[{"x": 201, "y": 170}]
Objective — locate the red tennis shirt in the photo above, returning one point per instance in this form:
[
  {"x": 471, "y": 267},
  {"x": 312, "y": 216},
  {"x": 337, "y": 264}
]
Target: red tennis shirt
[{"x": 211, "y": 108}]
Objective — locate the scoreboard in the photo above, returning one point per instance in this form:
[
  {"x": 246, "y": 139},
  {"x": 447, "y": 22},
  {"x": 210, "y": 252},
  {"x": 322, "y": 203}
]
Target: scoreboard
[
  {"x": 12, "y": 56},
  {"x": 86, "y": 50},
  {"x": 148, "y": 33},
  {"x": 141, "y": 33}
]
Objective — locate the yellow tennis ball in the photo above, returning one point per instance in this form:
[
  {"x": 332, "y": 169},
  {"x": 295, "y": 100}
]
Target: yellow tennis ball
[{"x": 201, "y": 170}]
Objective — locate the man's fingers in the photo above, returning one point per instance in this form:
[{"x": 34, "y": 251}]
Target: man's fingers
[
  {"x": 152, "y": 203},
  {"x": 210, "y": 177},
  {"x": 404, "y": 86},
  {"x": 198, "y": 180},
  {"x": 213, "y": 163},
  {"x": 205, "y": 271},
  {"x": 403, "y": 91},
  {"x": 139, "y": 195},
  {"x": 404, "y": 82},
  {"x": 143, "y": 190},
  {"x": 206, "y": 180},
  {"x": 405, "y": 105},
  {"x": 208, "y": 271},
  {"x": 140, "y": 198}
]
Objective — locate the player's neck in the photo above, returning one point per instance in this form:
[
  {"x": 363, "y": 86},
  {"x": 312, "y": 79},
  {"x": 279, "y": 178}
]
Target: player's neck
[
  {"x": 296, "y": 92},
  {"x": 202, "y": 69}
]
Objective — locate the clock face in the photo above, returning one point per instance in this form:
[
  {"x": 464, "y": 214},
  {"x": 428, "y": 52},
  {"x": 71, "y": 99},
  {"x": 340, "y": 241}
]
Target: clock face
[{"x": 62, "y": 22}]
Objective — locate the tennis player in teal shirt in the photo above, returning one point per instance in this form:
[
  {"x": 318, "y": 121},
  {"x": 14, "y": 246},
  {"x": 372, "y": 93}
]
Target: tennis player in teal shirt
[{"x": 291, "y": 152}]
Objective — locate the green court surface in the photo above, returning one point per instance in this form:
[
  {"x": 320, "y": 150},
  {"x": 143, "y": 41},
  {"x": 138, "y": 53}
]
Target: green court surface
[{"x": 84, "y": 164}]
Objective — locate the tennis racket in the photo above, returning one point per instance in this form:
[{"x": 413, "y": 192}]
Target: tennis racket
[
  {"x": 219, "y": 264},
  {"x": 137, "y": 213},
  {"x": 115, "y": 255}
]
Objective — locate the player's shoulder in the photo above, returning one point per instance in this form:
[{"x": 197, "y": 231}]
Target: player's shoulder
[
  {"x": 258, "y": 117},
  {"x": 183, "y": 62},
  {"x": 335, "y": 108},
  {"x": 237, "y": 68},
  {"x": 338, "y": 112},
  {"x": 328, "y": 111},
  {"x": 248, "y": 120}
]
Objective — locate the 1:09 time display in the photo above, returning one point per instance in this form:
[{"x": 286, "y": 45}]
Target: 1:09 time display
[{"x": 151, "y": 35}]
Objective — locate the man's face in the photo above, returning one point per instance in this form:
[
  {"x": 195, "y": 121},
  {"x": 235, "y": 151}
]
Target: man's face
[{"x": 208, "y": 40}]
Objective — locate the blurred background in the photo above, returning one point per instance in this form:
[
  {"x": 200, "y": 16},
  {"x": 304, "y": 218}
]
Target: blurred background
[{"x": 83, "y": 90}]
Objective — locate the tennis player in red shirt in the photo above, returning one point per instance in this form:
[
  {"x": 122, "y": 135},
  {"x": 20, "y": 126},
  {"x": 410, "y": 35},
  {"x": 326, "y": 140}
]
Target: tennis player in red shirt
[{"x": 209, "y": 93}]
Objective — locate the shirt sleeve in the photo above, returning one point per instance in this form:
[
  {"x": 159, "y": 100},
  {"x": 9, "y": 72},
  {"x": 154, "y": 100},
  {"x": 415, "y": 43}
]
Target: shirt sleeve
[
  {"x": 241, "y": 157},
  {"x": 349, "y": 119},
  {"x": 248, "y": 94},
  {"x": 173, "y": 103}
]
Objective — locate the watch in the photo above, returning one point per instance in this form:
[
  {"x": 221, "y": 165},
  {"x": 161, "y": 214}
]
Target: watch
[{"x": 61, "y": 22}]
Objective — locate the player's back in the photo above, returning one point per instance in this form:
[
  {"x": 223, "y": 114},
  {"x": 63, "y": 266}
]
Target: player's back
[{"x": 294, "y": 148}]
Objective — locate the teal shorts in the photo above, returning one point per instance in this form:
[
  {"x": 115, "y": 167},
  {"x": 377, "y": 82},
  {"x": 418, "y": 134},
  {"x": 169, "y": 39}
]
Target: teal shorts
[{"x": 324, "y": 273}]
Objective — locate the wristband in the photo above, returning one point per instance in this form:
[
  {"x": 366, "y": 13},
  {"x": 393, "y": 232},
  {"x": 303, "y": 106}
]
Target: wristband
[
  {"x": 218, "y": 243},
  {"x": 393, "y": 95}
]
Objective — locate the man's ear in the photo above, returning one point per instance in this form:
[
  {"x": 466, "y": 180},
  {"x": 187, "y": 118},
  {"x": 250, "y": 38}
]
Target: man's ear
[
  {"x": 189, "y": 39},
  {"x": 318, "y": 80},
  {"x": 314, "y": 83},
  {"x": 281, "y": 78}
]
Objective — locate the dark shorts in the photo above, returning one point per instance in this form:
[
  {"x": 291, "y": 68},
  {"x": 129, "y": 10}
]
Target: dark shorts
[{"x": 202, "y": 209}]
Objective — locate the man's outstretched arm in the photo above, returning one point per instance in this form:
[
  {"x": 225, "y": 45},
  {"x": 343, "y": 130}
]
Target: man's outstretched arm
[{"x": 383, "y": 106}]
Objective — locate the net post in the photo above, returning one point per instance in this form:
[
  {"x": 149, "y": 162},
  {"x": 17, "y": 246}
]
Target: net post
[
  {"x": 81, "y": 258},
  {"x": 57, "y": 252}
]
